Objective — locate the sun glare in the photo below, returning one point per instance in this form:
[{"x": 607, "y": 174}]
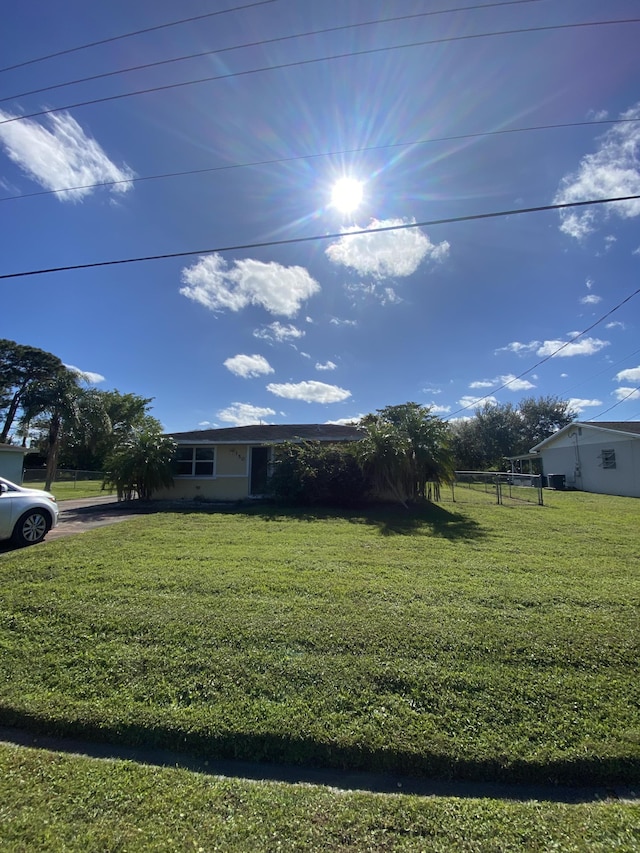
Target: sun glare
[{"x": 346, "y": 194}]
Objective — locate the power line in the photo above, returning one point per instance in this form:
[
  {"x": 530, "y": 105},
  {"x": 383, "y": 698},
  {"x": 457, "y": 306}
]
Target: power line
[
  {"x": 273, "y": 162},
  {"x": 316, "y": 237},
  {"x": 260, "y": 43},
  {"x": 551, "y": 355},
  {"x": 305, "y": 62},
  {"x": 134, "y": 33},
  {"x": 621, "y": 400}
]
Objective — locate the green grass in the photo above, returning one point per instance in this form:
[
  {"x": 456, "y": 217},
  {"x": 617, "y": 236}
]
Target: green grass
[
  {"x": 478, "y": 642},
  {"x": 53, "y": 802},
  {"x": 70, "y": 491}
]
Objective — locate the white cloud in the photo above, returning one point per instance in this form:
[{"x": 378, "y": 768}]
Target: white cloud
[
  {"x": 631, "y": 374},
  {"x": 347, "y": 421},
  {"x": 328, "y": 365},
  {"x": 86, "y": 375},
  {"x": 609, "y": 240},
  {"x": 310, "y": 391},
  {"x": 468, "y": 402},
  {"x": 582, "y": 346},
  {"x": 248, "y": 366},
  {"x": 385, "y": 254},
  {"x": 613, "y": 170},
  {"x": 615, "y": 324},
  {"x": 519, "y": 348},
  {"x": 579, "y": 405},
  {"x": 439, "y": 410},
  {"x": 244, "y": 414},
  {"x": 591, "y": 299},
  {"x": 336, "y": 321},
  {"x": 627, "y": 393},
  {"x": 509, "y": 379},
  {"x": 384, "y": 295},
  {"x": 60, "y": 156},
  {"x": 279, "y": 332},
  {"x": 278, "y": 289}
]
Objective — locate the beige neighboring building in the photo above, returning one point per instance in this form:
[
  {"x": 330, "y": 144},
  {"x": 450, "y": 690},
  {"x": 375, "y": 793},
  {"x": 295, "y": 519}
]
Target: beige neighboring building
[
  {"x": 599, "y": 457},
  {"x": 233, "y": 463}
]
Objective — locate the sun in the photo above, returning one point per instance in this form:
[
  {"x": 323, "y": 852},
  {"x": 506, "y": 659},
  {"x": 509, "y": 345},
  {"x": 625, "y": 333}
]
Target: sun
[{"x": 346, "y": 194}]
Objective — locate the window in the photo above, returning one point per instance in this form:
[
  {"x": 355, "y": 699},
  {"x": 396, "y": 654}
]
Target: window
[
  {"x": 608, "y": 458},
  {"x": 193, "y": 462}
]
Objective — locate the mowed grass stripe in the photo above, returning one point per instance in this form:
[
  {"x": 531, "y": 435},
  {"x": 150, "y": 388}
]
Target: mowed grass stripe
[{"x": 479, "y": 642}]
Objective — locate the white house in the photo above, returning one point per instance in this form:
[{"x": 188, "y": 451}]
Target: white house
[
  {"x": 12, "y": 462},
  {"x": 232, "y": 463},
  {"x": 599, "y": 457}
]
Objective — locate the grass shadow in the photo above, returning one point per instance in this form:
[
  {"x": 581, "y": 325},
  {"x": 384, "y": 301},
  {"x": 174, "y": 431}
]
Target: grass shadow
[
  {"x": 389, "y": 519},
  {"x": 280, "y": 757}
]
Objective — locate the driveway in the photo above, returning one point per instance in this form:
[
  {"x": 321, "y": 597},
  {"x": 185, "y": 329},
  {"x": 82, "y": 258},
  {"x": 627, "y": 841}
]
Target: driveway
[{"x": 78, "y": 516}]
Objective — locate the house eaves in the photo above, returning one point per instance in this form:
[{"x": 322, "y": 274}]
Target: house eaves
[{"x": 629, "y": 428}]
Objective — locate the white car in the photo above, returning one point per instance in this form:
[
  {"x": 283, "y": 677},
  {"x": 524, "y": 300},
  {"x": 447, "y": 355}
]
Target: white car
[{"x": 26, "y": 515}]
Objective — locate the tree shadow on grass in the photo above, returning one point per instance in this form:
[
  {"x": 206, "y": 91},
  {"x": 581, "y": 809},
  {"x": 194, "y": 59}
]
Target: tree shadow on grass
[
  {"x": 390, "y": 519},
  {"x": 284, "y": 758}
]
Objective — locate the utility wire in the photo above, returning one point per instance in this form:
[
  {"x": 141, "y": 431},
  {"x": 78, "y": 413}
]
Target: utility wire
[
  {"x": 551, "y": 355},
  {"x": 135, "y": 33},
  {"x": 456, "y": 138},
  {"x": 304, "y": 62},
  {"x": 260, "y": 43},
  {"x": 621, "y": 400},
  {"x": 316, "y": 237}
]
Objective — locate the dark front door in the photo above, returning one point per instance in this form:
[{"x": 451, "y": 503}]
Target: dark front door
[{"x": 259, "y": 468}]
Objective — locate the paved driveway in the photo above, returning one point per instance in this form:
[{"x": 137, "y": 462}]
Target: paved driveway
[{"x": 88, "y": 513}]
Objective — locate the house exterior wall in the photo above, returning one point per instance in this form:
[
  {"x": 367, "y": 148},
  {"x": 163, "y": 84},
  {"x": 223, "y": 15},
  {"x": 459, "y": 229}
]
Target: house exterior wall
[
  {"x": 11, "y": 465},
  {"x": 230, "y": 480},
  {"x": 579, "y": 456}
]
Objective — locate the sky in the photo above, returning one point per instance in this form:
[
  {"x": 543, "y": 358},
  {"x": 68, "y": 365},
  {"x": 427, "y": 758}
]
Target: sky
[{"x": 271, "y": 310}]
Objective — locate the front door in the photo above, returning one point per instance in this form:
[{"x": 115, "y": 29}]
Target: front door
[{"x": 259, "y": 470}]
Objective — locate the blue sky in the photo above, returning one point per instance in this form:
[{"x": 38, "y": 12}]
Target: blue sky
[{"x": 331, "y": 329}]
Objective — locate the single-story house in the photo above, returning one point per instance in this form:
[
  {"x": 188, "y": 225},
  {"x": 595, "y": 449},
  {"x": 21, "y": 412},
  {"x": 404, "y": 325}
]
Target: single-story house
[
  {"x": 232, "y": 463},
  {"x": 601, "y": 456},
  {"x": 12, "y": 462}
]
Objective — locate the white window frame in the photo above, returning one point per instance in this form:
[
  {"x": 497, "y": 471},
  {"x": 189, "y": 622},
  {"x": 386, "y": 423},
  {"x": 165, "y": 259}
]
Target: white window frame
[{"x": 195, "y": 461}]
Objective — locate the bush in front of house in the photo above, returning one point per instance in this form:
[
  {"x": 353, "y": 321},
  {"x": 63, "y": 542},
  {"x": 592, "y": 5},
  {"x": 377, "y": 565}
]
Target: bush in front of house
[{"x": 316, "y": 474}]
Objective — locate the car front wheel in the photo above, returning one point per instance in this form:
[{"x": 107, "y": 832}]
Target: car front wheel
[{"x": 31, "y": 528}]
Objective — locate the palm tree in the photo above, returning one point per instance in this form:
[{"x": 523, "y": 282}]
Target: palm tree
[
  {"x": 406, "y": 452},
  {"x": 141, "y": 464}
]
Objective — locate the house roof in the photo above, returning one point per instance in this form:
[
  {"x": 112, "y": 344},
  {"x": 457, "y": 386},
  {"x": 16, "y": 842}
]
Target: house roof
[
  {"x": 269, "y": 434},
  {"x": 630, "y": 428},
  {"x": 11, "y": 448}
]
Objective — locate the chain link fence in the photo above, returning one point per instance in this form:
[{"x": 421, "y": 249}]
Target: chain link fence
[{"x": 493, "y": 487}]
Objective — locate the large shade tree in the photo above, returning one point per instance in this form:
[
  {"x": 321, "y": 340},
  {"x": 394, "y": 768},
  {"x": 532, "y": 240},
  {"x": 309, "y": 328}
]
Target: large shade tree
[
  {"x": 49, "y": 407},
  {"x": 500, "y": 430},
  {"x": 21, "y": 369}
]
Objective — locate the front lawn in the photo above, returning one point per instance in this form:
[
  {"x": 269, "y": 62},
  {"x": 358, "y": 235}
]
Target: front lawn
[
  {"x": 479, "y": 642},
  {"x": 68, "y": 490},
  {"x": 54, "y": 802}
]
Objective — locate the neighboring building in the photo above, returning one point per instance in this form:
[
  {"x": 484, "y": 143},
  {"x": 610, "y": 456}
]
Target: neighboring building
[
  {"x": 599, "y": 457},
  {"x": 233, "y": 463},
  {"x": 12, "y": 462}
]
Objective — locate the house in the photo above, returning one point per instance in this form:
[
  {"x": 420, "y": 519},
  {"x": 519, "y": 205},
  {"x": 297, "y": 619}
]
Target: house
[
  {"x": 599, "y": 457},
  {"x": 12, "y": 462},
  {"x": 232, "y": 463}
]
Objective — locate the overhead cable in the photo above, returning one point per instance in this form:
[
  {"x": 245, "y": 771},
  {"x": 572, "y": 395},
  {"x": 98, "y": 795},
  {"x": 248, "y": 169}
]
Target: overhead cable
[
  {"x": 456, "y": 138},
  {"x": 261, "y": 43},
  {"x": 621, "y": 400},
  {"x": 305, "y": 62},
  {"x": 547, "y": 357},
  {"x": 341, "y": 235},
  {"x": 135, "y": 33}
]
